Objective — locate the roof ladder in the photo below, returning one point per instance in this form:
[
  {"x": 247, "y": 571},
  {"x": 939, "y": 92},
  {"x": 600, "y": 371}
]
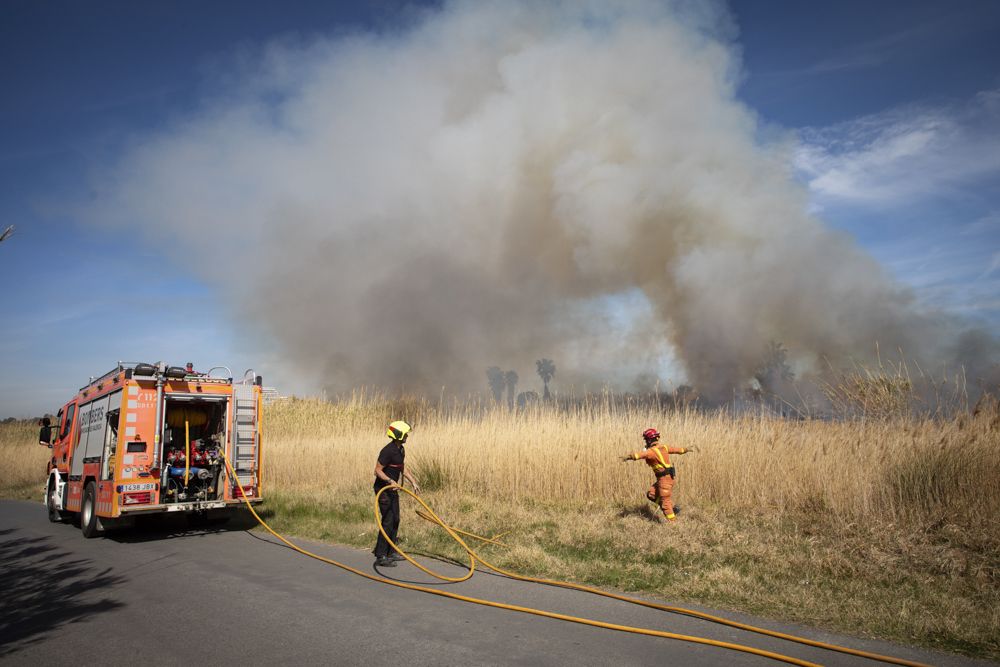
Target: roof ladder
[{"x": 245, "y": 434}]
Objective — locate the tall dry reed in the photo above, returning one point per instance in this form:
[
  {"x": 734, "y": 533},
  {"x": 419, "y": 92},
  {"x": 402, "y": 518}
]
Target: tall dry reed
[
  {"x": 886, "y": 470},
  {"x": 22, "y": 459},
  {"x": 889, "y": 469},
  {"x": 892, "y": 469}
]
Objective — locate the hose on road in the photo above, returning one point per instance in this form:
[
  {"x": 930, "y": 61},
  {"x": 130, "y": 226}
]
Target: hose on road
[{"x": 474, "y": 557}]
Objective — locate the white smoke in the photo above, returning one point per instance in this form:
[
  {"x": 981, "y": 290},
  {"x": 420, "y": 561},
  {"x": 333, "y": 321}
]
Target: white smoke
[{"x": 503, "y": 181}]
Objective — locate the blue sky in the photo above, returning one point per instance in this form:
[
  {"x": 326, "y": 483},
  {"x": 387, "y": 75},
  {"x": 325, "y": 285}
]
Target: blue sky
[
  {"x": 895, "y": 107},
  {"x": 899, "y": 107}
]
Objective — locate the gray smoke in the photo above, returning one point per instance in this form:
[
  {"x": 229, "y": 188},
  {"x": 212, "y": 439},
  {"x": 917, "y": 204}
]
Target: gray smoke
[{"x": 500, "y": 181}]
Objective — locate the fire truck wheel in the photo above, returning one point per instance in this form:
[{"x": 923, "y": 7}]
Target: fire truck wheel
[
  {"x": 89, "y": 523},
  {"x": 55, "y": 516}
]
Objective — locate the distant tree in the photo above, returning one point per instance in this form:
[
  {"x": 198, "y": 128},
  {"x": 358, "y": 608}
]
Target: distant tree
[
  {"x": 495, "y": 377},
  {"x": 685, "y": 396},
  {"x": 774, "y": 370},
  {"x": 526, "y": 398},
  {"x": 546, "y": 369},
  {"x": 510, "y": 378}
]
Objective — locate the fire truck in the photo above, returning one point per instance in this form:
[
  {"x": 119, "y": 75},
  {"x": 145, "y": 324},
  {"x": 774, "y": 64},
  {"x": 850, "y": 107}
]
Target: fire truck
[{"x": 146, "y": 439}]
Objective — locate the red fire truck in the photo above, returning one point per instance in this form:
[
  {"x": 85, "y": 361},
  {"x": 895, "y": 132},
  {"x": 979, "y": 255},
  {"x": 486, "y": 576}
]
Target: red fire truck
[{"x": 150, "y": 439}]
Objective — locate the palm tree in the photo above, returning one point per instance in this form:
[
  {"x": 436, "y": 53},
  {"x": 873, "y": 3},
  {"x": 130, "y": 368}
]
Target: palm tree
[
  {"x": 495, "y": 377},
  {"x": 510, "y": 378},
  {"x": 546, "y": 369}
]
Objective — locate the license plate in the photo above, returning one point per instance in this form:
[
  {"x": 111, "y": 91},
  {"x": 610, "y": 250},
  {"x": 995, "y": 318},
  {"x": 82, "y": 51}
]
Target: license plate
[{"x": 138, "y": 487}]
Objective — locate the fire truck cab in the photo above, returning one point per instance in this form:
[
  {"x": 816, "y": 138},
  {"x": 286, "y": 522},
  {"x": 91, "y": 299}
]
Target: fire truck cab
[{"x": 151, "y": 439}]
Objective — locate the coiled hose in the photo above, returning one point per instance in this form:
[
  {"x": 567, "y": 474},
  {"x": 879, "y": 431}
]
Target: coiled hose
[{"x": 474, "y": 557}]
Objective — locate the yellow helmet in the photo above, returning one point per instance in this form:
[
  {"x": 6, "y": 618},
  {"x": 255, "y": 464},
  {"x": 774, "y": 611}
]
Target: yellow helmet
[{"x": 398, "y": 430}]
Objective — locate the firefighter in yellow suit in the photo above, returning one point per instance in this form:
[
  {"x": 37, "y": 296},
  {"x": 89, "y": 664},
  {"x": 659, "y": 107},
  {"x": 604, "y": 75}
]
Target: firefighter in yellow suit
[{"x": 657, "y": 456}]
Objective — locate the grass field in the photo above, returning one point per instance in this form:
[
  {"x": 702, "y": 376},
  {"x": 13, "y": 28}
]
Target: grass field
[{"x": 879, "y": 527}]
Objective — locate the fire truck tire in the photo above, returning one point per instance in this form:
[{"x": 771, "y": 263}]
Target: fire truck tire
[
  {"x": 89, "y": 523},
  {"x": 55, "y": 515}
]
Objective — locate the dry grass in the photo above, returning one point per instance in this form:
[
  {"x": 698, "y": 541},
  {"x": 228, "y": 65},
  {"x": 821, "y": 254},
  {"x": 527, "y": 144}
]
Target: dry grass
[
  {"x": 22, "y": 461},
  {"x": 885, "y": 471},
  {"x": 876, "y": 525},
  {"x": 883, "y": 526}
]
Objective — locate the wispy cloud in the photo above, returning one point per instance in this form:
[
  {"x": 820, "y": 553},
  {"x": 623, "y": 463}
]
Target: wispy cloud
[
  {"x": 948, "y": 271},
  {"x": 994, "y": 265},
  {"x": 903, "y": 155},
  {"x": 984, "y": 225},
  {"x": 861, "y": 55},
  {"x": 920, "y": 182}
]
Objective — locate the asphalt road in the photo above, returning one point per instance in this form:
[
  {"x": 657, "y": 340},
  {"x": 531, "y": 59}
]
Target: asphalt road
[{"x": 168, "y": 595}]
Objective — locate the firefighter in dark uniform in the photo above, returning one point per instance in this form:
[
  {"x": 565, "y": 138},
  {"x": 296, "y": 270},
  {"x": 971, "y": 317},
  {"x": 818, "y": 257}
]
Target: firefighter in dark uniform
[{"x": 388, "y": 469}]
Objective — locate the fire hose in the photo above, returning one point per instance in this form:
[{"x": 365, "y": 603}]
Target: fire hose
[{"x": 474, "y": 556}]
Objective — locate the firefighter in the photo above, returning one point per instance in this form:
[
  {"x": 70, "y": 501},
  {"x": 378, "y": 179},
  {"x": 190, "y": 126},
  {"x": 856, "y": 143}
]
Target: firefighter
[
  {"x": 388, "y": 469},
  {"x": 657, "y": 456}
]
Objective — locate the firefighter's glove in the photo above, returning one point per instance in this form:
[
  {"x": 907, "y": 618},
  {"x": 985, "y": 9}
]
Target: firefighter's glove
[
  {"x": 690, "y": 449},
  {"x": 627, "y": 457}
]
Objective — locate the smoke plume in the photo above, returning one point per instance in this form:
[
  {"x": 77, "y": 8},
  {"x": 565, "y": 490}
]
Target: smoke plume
[{"x": 494, "y": 182}]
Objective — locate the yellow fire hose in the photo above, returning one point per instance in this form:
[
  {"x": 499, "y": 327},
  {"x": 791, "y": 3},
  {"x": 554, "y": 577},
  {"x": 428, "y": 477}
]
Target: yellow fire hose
[
  {"x": 489, "y": 540},
  {"x": 433, "y": 518},
  {"x": 474, "y": 556}
]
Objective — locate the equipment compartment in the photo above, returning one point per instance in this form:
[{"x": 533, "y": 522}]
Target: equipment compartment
[{"x": 194, "y": 435}]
